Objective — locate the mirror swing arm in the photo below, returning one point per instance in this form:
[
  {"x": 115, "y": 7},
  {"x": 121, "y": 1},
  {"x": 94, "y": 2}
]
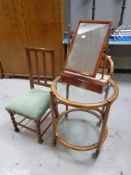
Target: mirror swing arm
[
  {"x": 106, "y": 52},
  {"x": 78, "y": 70}
]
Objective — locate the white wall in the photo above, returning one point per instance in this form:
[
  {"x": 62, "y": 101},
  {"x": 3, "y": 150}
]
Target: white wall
[{"x": 105, "y": 10}]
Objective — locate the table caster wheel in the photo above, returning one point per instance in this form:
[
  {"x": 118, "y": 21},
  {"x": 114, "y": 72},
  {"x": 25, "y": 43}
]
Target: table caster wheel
[{"x": 95, "y": 155}]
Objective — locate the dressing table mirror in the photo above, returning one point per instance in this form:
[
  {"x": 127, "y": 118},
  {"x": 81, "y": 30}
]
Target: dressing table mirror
[
  {"x": 86, "y": 57},
  {"x": 86, "y": 53}
]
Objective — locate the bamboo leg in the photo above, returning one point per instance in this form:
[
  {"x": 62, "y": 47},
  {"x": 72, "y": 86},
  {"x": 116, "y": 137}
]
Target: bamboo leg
[
  {"x": 54, "y": 112},
  {"x": 103, "y": 108},
  {"x": 16, "y": 129},
  {"x": 67, "y": 96},
  {"x": 95, "y": 155},
  {"x": 39, "y": 132},
  {"x": 104, "y": 124}
]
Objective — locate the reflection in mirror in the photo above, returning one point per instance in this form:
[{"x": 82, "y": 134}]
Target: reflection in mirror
[{"x": 87, "y": 47}]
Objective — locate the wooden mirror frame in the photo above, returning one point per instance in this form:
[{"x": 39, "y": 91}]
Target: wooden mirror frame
[
  {"x": 83, "y": 79},
  {"x": 93, "y": 74}
]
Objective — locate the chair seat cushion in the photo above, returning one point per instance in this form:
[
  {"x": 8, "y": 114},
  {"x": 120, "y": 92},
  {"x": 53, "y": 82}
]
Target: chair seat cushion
[{"x": 33, "y": 104}]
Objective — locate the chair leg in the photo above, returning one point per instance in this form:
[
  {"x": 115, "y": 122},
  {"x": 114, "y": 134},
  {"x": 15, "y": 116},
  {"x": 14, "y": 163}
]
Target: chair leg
[
  {"x": 39, "y": 132},
  {"x": 54, "y": 130},
  {"x": 16, "y": 129}
]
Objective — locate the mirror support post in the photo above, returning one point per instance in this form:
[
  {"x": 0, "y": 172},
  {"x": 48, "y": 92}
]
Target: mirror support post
[{"x": 106, "y": 52}]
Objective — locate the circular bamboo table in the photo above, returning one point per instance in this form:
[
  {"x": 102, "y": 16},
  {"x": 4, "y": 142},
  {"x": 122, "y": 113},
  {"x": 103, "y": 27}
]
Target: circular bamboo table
[{"x": 84, "y": 112}]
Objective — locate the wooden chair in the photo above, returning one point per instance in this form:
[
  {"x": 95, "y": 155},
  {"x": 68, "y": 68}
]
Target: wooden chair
[{"x": 35, "y": 104}]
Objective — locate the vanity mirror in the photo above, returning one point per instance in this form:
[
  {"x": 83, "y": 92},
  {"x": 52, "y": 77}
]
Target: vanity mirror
[{"x": 86, "y": 53}]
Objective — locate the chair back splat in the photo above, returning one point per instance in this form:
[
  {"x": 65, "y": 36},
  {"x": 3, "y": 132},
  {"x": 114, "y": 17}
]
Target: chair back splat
[{"x": 38, "y": 60}]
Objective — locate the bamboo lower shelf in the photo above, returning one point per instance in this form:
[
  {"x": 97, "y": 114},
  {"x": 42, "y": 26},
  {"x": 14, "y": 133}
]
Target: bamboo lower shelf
[{"x": 81, "y": 105}]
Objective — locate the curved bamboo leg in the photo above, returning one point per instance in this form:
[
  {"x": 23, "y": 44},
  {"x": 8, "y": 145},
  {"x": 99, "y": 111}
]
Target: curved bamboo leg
[
  {"x": 54, "y": 112},
  {"x": 104, "y": 123},
  {"x": 16, "y": 129},
  {"x": 103, "y": 108}
]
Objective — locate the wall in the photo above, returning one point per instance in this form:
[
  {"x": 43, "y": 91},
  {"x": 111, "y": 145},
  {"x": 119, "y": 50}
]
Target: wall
[
  {"x": 105, "y": 10},
  {"x": 67, "y": 13}
]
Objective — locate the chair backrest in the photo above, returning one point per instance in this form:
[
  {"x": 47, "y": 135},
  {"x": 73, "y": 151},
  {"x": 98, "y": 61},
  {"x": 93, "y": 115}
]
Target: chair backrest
[{"x": 41, "y": 67}]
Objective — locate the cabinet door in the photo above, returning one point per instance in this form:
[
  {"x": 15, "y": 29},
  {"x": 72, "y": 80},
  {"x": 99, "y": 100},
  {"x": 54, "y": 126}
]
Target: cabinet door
[
  {"x": 44, "y": 26},
  {"x": 12, "y": 38},
  {"x": 30, "y": 23},
  {"x": 1, "y": 71}
]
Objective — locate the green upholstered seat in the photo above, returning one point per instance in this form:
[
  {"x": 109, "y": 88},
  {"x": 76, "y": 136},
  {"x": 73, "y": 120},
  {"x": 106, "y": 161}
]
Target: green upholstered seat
[{"x": 33, "y": 104}]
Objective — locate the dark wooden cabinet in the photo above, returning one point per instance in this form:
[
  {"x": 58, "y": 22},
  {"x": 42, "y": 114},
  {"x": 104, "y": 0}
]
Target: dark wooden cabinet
[{"x": 29, "y": 23}]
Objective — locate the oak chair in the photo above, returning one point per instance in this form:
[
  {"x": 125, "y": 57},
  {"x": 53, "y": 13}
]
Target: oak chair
[{"x": 35, "y": 104}]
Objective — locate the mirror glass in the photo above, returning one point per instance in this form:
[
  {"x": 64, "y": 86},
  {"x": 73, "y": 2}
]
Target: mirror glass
[{"x": 87, "y": 46}]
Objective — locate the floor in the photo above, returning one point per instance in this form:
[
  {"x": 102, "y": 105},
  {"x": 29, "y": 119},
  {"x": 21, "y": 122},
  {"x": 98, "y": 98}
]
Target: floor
[{"x": 20, "y": 154}]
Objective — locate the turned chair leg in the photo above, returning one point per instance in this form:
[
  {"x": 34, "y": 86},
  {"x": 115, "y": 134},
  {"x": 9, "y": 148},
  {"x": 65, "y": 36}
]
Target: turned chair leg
[
  {"x": 16, "y": 129},
  {"x": 40, "y": 140},
  {"x": 54, "y": 130}
]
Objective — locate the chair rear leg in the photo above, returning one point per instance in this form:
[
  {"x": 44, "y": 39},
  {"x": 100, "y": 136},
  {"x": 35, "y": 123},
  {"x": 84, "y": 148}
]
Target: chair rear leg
[
  {"x": 40, "y": 140},
  {"x": 16, "y": 129}
]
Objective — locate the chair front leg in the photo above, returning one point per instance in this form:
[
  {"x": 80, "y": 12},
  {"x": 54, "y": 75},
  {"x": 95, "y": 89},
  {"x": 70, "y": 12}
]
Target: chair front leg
[
  {"x": 40, "y": 140},
  {"x": 16, "y": 129}
]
